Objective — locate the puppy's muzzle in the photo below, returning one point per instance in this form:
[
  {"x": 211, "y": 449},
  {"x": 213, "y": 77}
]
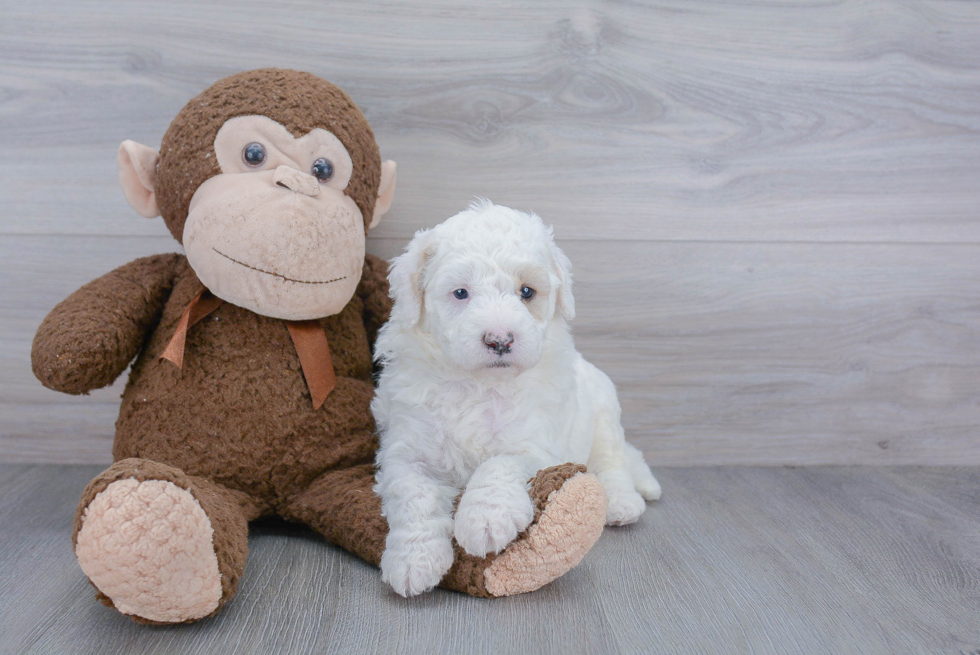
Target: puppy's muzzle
[{"x": 498, "y": 344}]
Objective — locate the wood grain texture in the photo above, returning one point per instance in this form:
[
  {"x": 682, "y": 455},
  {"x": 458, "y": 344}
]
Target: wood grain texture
[
  {"x": 772, "y": 208},
  {"x": 723, "y": 353},
  {"x": 734, "y": 560},
  {"x": 678, "y": 119}
]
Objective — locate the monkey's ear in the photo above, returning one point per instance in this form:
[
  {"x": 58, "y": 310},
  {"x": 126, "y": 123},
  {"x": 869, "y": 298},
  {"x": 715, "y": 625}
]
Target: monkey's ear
[
  {"x": 386, "y": 192},
  {"x": 137, "y": 170}
]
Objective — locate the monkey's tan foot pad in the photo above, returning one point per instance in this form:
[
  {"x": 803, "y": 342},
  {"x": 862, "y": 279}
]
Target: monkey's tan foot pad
[
  {"x": 148, "y": 547},
  {"x": 570, "y": 511}
]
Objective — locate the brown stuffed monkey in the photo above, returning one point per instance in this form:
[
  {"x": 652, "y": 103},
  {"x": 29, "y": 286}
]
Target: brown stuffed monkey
[{"x": 249, "y": 395}]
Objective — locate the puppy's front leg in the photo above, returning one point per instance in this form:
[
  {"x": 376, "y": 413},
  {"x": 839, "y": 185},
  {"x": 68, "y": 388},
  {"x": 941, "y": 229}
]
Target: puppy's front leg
[
  {"x": 496, "y": 506},
  {"x": 418, "y": 549}
]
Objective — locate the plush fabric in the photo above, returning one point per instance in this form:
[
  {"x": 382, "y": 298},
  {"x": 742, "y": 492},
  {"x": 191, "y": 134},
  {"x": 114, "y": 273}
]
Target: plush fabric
[
  {"x": 148, "y": 545},
  {"x": 227, "y": 512},
  {"x": 549, "y": 547},
  {"x": 187, "y": 155},
  {"x": 536, "y": 558},
  {"x": 90, "y": 338},
  {"x": 189, "y": 426},
  {"x": 192, "y": 417}
]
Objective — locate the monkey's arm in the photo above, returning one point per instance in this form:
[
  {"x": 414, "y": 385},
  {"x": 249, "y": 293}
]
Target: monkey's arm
[
  {"x": 91, "y": 336},
  {"x": 373, "y": 290}
]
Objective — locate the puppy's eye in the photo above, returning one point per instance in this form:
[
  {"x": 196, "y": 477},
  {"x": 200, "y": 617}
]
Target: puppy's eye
[
  {"x": 527, "y": 293},
  {"x": 461, "y": 294},
  {"x": 322, "y": 169},
  {"x": 254, "y": 155}
]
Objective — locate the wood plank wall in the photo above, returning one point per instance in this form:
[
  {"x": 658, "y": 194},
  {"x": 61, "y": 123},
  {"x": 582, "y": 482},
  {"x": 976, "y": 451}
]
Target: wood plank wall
[{"x": 772, "y": 208}]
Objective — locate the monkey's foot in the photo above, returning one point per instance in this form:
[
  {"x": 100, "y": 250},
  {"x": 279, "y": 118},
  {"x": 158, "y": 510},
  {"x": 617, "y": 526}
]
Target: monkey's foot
[
  {"x": 570, "y": 511},
  {"x": 148, "y": 547}
]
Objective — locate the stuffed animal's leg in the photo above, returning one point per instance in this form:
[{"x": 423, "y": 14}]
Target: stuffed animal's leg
[
  {"x": 342, "y": 506},
  {"x": 159, "y": 545},
  {"x": 570, "y": 509}
]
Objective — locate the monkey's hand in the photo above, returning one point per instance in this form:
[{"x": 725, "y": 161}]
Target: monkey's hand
[
  {"x": 91, "y": 336},
  {"x": 373, "y": 290}
]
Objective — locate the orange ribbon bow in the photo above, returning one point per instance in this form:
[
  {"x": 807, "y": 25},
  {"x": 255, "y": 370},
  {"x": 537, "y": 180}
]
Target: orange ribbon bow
[{"x": 308, "y": 337}]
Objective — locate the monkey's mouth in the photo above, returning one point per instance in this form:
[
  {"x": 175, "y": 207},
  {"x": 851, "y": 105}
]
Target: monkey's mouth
[{"x": 288, "y": 279}]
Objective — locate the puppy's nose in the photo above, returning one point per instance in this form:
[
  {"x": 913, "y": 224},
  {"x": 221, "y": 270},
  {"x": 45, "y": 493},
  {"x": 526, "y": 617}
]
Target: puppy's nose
[{"x": 498, "y": 344}]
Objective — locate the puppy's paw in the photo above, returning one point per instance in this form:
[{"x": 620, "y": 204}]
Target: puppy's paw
[
  {"x": 623, "y": 507},
  {"x": 412, "y": 567},
  {"x": 649, "y": 488},
  {"x": 489, "y": 519}
]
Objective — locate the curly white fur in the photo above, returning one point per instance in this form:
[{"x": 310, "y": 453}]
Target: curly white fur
[{"x": 481, "y": 392}]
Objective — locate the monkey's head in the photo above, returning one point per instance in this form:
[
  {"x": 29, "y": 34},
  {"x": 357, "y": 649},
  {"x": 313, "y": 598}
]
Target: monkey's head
[{"x": 270, "y": 179}]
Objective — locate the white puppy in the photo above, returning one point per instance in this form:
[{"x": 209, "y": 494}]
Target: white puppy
[{"x": 481, "y": 388}]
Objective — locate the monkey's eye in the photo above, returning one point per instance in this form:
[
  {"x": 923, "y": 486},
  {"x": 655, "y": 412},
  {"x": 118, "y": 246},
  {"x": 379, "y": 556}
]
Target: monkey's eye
[
  {"x": 322, "y": 169},
  {"x": 461, "y": 294},
  {"x": 254, "y": 155},
  {"x": 527, "y": 293}
]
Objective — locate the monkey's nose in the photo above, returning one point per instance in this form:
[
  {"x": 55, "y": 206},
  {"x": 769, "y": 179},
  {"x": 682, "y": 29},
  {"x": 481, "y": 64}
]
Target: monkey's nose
[{"x": 294, "y": 180}]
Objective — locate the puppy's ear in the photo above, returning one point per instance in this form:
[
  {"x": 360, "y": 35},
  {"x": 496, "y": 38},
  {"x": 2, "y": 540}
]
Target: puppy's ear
[
  {"x": 562, "y": 268},
  {"x": 406, "y": 278}
]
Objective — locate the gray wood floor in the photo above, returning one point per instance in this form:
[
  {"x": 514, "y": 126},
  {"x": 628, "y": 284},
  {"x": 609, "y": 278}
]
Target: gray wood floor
[
  {"x": 732, "y": 560},
  {"x": 772, "y": 208}
]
